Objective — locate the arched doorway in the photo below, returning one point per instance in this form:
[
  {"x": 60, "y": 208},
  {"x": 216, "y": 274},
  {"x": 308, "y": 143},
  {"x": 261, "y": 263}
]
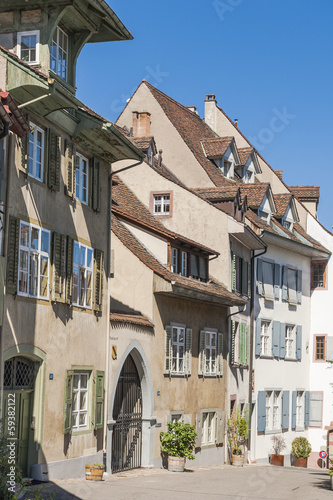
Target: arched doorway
[{"x": 127, "y": 415}]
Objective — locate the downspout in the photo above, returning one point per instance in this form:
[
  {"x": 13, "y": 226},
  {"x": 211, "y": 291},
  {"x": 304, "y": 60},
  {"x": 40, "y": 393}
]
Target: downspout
[{"x": 254, "y": 256}]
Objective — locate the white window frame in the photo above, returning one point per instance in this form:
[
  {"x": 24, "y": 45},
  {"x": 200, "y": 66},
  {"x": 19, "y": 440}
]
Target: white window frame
[
  {"x": 266, "y": 338},
  {"x": 208, "y": 429},
  {"x": 55, "y": 43},
  {"x": 300, "y": 408},
  {"x": 32, "y": 160},
  {"x": 162, "y": 204},
  {"x": 40, "y": 254},
  {"x": 180, "y": 345},
  {"x": 80, "y": 160},
  {"x": 228, "y": 169},
  {"x": 79, "y": 267},
  {"x": 290, "y": 341},
  {"x": 184, "y": 263},
  {"x": 174, "y": 260},
  {"x": 210, "y": 367},
  {"x": 77, "y": 411},
  {"x": 273, "y": 410},
  {"x": 21, "y": 34},
  {"x": 265, "y": 216}
]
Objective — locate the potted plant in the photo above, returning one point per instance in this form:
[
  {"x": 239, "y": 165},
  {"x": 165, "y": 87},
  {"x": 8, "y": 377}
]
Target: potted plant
[
  {"x": 301, "y": 450},
  {"x": 279, "y": 444},
  {"x": 237, "y": 433},
  {"x": 178, "y": 443},
  {"x": 94, "y": 472}
]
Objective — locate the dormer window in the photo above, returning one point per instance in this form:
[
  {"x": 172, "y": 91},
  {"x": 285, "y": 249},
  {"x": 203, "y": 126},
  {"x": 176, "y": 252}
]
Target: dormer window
[
  {"x": 150, "y": 155},
  {"x": 28, "y": 46},
  {"x": 248, "y": 177},
  {"x": 287, "y": 224},
  {"x": 189, "y": 264},
  {"x": 265, "y": 216},
  {"x": 59, "y": 53},
  {"x": 227, "y": 169}
]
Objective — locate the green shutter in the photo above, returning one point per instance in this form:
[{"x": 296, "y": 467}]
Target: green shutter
[
  {"x": 249, "y": 281},
  {"x": 12, "y": 255},
  {"x": 220, "y": 353},
  {"x": 168, "y": 351},
  {"x": 242, "y": 340},
  {"x": 232, "y": 342},
  {"x": 69, "y": 266},
  {"x": 95, "y": 198},
  {"x": 202, "y": 352},
  {"x": 59, "y": 267},
  {"x": 54, "y": 162},
  {"x": 248, "y": 345},
  {"x": 98, "y": 280},
  {"x": 188, "y": 347},
  {"x": 67, "y": 425},
  {"x": 244, "y": 277},
  {"x": 233, "y": 271},
  {"x": 99, "y": 400},
  {"x": 70, "y": 153}
]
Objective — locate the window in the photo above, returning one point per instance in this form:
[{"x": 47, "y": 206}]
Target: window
[
  {"x": 227, "y": 169},
  {"x": 59, "y": 53},
  {"x": 184, "y": 264},
  {"x": 210, "y": 353},
  {"x": 36, "y": 152},
  {"x": 248, "y": 177},
  {"x": 273, "y": 410},
  {"x": 176, "y": 417},
  {"x": 81, "y": 190},
  {"x": 268, "y": 279},
  {"x": 265, "y": 216},
  {"x": 290, "y": 341},
  {"x": 178, "y": 353},
  {"x": 208, "y": 430},
  {"x": 316, "y": 409},
  {"x": 241, "y": 274},
  {"x": 162, "y": 204},
  {"x": 80, "y": 400},
  {"x": 287, "y": 224},
  {"x": 178, "y": 349},
  {"x": 320, "y": 354},
  {"x": 318, "y": 275},
  {"x": 174, "y": 260},
  {"x": 28, "y": 46},
  {"x": 291, "y": 285},
  {"x": 82, "y": 275},
  {"x": 300, "y": 410},
  {"x": 265, "y": 338},
  {"x": 34, "y": 261},
  {"x": 240, "y": 344},
  {"x": 189, "y": 264}
]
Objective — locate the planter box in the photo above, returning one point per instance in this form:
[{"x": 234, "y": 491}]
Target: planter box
[
  {"x": 176, "y": 464},
  {"x": 94, "y": 472},
  {"x": 277, "y": 460},
  {"x": 237, "y": 460},
  {"x": 301, "y": 462}
]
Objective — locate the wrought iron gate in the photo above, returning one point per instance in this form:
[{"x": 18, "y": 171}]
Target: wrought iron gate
[{"x": 127, "y": 412}]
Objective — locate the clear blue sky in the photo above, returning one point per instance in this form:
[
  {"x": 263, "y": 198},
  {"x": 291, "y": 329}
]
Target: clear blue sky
[{"x": 259, "y": 57}]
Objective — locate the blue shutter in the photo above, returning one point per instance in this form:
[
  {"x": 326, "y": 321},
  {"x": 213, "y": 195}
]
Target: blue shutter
[
  {"x": 282, "y": 340},
  {"x": 259, "y": 277},
  {"x": 285, "y": 283},
  {"x": 293, "y": 415},
  {"x": 261, "y": 411},
  {"x": 276, "y": 339},
  {"x": 277, "y": 283},
  {"x": 298, "y": 342},
  {"x": 299, "y": 286},
  {"x": 258, "y": 337},
  {"x": 307, "y": 409},
  {"x": 285, "y": 410}
]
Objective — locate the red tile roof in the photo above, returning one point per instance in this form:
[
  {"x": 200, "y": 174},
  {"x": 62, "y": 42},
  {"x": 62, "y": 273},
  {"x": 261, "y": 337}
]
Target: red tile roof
[
  {"x": 281, "y": 203},
  {"x": 305, "y": 192},
  {"x": 216, "y": 148},
  {"x": 133, "y": 319},
  {"x": 254, "y": 192},
  {"x": 244, "y": 154},
  {"x": 227, "y": 193}
]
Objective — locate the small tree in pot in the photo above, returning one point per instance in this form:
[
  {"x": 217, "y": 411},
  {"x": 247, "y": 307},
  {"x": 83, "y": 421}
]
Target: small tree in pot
[
  {"x": 279, "y": 444},
  {"x": 301, "y": 450},
  {"x": 237, "y": 433},
  {"x": 178, "y": 442}
]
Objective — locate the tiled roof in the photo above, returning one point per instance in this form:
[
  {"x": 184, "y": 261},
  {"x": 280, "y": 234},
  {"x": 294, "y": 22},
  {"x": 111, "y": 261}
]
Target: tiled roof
[
  {"x": 244, "y": 154},
  {"x": 304, "y": 234},
  {"x": 227, "y": 193},
  {"x": 255, "y": 193},
  {"x": 305, "y": 191},
  {"x": 256, "y": 223},
  {"x": 216, "y": 148},
  {"x": 281, "y": 203},
  {"x": 212, "y": 287},
  {"x": 133, "y": 319},
  {"x": 143, "y": 143}
]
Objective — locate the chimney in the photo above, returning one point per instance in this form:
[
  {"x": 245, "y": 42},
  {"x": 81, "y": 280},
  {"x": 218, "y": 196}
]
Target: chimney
[
  {"x": 236, "y": 122},
  {"x": 193, "y": 109},
  {"x": 279, "y": 174},
  {"x": 210, "y": 111},
  {"x": 141, "y": 124}
]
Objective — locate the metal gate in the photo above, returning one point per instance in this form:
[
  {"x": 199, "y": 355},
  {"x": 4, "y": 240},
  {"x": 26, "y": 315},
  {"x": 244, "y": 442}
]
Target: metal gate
[{"x": 127, "y": 412}]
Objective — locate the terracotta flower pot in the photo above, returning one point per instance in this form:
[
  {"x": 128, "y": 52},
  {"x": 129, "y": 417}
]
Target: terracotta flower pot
[
  {"x": 237, "y": 460},
  {"x": 301, "y": 462},
  {"x": 176, "y": 464},
  {"x": 94, "y": 472},
  {"x": 277, "y": 459}
]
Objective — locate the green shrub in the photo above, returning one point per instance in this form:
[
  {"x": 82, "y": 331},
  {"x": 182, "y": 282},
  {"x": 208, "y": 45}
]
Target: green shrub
[
  {"x": 237, "y": 432},
  {"x": 301, "y": 447},
  {"x": 179, "y": 440}
]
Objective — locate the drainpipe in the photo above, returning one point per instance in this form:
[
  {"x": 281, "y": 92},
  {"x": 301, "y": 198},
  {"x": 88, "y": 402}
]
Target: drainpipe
[{"x": 254, "y": 256}]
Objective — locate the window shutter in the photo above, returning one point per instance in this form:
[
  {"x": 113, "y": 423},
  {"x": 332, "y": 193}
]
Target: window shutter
[
  {"x": 249, "y": 283},
  {"x": 276, "y": 339},
  {"x": 69, "y": 266},
  {"x": 95, "y": 184},
  {"x": 202, "y": 353},
  {"x": 220, "y": 427},
  {"x": 277, "y": 281},
  {"x": 329, "y": 348},
  {"x": 244, "y": 277},
  {"x": 232, "y": 342},
  {"x": 259, "y": 277},
  {"x": 258, "y": 337},
  {"x": 247, "y": 416},
  {"x": 188, "y": 347},
  {"x": 315, "y": 409},
  {"x": 198, "y": 426},
  {"x": 285, "y": 283},
  {"x": 242, "y": 341},
  {"x": 98, "y": 279},
  {"x": 67, "y": 425},
  {"x": 293, "y": 414},
  {"x": 168, "y": 351},
  {"x": 70, "y": 152},
  {"x": 23, "y": 166},
  {"x": 54, "y": 162},
  {"x": 261, "y": 411},
  {"x": 99, "y": 400},
  {"x": 233, "y": 271},
  {"x": 285, "y": 410},
  {"x": 248, "y": 345},
  {"x": 59, "y": 267},
  {"x": 220, "y": 353},
  {"x": 282, "y": 340},
  {"x": 299, "y": 286},
  {"x": 2, "y": 286},
  {"x": 306, "y": 409},
  {"x": 298, "y": 342},
  {"x": 12, "y": 255}
]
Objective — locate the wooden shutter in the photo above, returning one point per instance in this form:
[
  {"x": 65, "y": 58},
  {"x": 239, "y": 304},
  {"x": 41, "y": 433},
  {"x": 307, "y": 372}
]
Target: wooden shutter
[
  {"x": 315, "y": 409},
  {"x": 99, "y": 400},
  {"x": 220, "y": 427},
  {"x": 299, "y": 286},
  {"x": 276, "y": 339},
  {"x": 244, "y": 277},
  {"x": 306, "y": 408},
  {"x": 258, "y": 337},
  {"x": 188, "y": 348},
  {"x": 95, "y": 198},
  {"x": 285, "y": 410},
  {"x": 54, "y": 162},
  {"x": 249, "y": 281},
  {"x": 329, "y": 348},
  {"x": 168, "y": 351},
  {"x": 242, "y": 340},
  {"x": 277, "y": 273},
  {"x": 293, "y": 410},
  {"x": 70, "y": 152},
  {"x": 2, "y": 285},
  {"x": 259, "y": 277},
  {"x": 261, "y": 411},
  {"x": 24, "y": 144},
  {"x": 59, "y": 267},
  {"x": 98, "y": 279},
  {"x": 198, "y": 427},
  {"x": 248, "y": 345},
  {"x": 232, "y": 342},
  {"x": 67, "y": 424},
  {"x": 12, "y": 255},
  {"x": 69, "y": 266},
  {"x": 202, "y": 352},
  {"x": 247, "y": 416},
  {"x": 298, "y": 342},
  {"x": 285, "y": 283},
  {"x": 233, "y": 271},
  {"x": 220, "y": 353},
  {"x": 282, "y": 340}
]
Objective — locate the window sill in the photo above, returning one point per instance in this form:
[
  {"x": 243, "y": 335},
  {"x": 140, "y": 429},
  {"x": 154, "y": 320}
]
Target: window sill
[
  {"x": 266, "y": 356},
  {"x": 81, "y": 432},
  {"x": 299, "y": 429},
  {"x": 209, "y": 375},
  {"x": 207, "y": 446},
  {"x": 273, "y": 431},
  {"x": 177, "y": 375},
  {"x": 291, "y": 359}
]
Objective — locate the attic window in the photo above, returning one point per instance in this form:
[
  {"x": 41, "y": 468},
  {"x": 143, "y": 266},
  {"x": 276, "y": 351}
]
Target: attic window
[
  {"x": 161, "y": 203},
  {"x": 248, "y": 177},
  {"x": 28, "y": 46},
  {"x": 150, "y": 155},
  {"x": 265, "y": 216},
  {"x": 287, "y": 224},
  {"x": 189, "y": 264},
  {"x": 227, "y": 169},
  {"x": 59, "y": 53}
]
